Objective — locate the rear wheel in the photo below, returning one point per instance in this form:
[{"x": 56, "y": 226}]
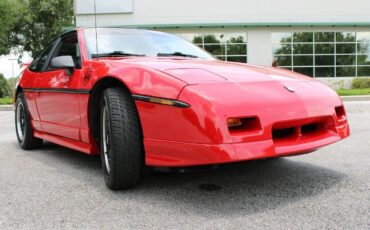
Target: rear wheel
[
  {"x": 122, "y": 151},
  {"x": 23, "y": 126}
]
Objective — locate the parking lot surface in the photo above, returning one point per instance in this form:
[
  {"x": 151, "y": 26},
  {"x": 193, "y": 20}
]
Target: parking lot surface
[{"x": 57, "y": 188}]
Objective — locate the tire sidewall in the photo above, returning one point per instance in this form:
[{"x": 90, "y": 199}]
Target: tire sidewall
[
  {"x": 20, "y": 100},
  {"x": 125, "y": 139}
]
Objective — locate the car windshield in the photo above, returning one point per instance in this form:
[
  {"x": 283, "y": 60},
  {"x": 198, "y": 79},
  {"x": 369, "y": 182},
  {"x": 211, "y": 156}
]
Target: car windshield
[{"x": 115, "y": 42}]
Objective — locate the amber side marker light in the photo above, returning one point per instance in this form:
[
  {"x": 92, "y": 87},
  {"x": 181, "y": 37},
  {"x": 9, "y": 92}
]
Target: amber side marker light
[{"x": 161, "y": 101}]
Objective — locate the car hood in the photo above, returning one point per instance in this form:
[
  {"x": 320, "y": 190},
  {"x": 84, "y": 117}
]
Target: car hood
[{"x": 196, "y": 71}]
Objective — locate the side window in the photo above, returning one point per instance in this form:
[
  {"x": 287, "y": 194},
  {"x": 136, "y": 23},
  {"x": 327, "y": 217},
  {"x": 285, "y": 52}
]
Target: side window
[
  {"x": 39, "y": 62},
  {"x": 68, "y": 47}
]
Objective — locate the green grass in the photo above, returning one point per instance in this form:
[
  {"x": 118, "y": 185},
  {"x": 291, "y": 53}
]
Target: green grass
[
  {"x": 6, "y": 101},
  {"x": 353, "y": 92}
]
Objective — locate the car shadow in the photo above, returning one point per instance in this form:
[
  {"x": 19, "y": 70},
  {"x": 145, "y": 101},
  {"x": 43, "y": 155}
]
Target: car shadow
[
  {"x": 240, "y": 188},
  {"x": 66, "y": 160}
]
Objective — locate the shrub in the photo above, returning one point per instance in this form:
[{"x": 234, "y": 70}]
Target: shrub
[
  {"x": 361, "y": 82},
  {"x": 4, "y": 87}
]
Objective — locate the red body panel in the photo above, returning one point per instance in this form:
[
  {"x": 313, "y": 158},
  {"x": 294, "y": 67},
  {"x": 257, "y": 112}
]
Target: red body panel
[
  {"x": 283, "y": 122},
  {"x": 57, "y": 116}
]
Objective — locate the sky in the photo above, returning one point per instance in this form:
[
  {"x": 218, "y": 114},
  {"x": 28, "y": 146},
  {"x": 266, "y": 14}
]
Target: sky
[{"x": 6, "y": 64}]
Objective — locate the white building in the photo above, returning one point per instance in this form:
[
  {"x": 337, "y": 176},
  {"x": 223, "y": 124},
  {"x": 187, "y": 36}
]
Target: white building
[{"x": 320, "y": 38}]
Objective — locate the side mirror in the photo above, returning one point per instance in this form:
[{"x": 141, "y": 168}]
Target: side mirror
[{"x": 62, "y": 62}]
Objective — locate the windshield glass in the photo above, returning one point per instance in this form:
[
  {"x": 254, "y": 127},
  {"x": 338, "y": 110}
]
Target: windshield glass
[{"x": 126, "y": 42}]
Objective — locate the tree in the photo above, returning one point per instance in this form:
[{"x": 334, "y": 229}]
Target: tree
[
  {"x": 36, "y": 23},
  {"x": 44, "y": 20},
  {"x": 8, "y": 19},
  {"x": 4, "y": 87}
]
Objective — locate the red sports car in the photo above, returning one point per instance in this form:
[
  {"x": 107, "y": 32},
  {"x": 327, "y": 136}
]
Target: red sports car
[{"x": 141, "y": 97}]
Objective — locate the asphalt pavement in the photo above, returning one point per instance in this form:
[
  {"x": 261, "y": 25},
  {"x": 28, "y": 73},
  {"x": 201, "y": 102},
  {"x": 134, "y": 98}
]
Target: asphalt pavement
[{"x": 57, "y": 188}]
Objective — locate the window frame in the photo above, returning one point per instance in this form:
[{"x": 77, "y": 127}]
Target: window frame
[
  {"x": 224, "y": 55},
  {"x": 50, "y": 46},
  {"x": 53, "y": 45},
  {"x": 337, "y": 53},
  {"x": 59, "y": 42}
]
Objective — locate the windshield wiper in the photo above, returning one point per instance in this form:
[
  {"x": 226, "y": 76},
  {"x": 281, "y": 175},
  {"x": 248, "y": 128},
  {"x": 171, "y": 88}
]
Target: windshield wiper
[
  {"x": 176, "y": 54},
  {"x": 116, "y": 54}
]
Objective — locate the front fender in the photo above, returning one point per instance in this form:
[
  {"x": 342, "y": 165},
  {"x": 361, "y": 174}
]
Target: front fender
[
  {"x": 138, "y": 79},
  {"x": 149, "y": 82}
]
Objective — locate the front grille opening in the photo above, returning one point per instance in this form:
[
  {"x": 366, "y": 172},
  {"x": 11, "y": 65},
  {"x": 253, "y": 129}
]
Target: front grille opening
[
  {"x": 292, "y": 132},
  {"x": 283, "y": 133},
  {"x": 310, "y": 128}
]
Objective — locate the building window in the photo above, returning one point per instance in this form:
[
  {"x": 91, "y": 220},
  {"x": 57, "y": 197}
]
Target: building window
[
  {"x": 323, "y": 54},
  {"x": 225, "y": 46}
]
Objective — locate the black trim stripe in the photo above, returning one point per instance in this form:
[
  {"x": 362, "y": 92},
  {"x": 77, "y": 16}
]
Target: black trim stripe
[
  {"x": 176, "y": 103},
  {"x": 138, "y": 97},
  {"x": 57, "y": 90}
]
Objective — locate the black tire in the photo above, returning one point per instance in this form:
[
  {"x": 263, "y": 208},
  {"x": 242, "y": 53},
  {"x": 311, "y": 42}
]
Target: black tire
[
  {"x": 121, "y": 140},
  {"x": 23, "y": 127}
]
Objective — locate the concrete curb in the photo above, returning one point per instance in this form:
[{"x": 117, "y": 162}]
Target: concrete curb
[
  {"x": 6, "y": 108},
  {"x": 356, "y": 98}
]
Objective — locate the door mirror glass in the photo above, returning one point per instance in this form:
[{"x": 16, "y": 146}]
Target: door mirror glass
[{"x": 62, "y": 62}]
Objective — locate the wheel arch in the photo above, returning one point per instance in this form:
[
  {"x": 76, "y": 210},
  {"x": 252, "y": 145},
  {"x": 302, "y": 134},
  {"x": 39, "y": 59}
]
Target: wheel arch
[
  {"x": 17, "y": 92},
  {"x": 94, "y": 101}
]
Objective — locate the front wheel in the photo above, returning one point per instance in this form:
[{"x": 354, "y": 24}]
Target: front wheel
[
  {"x": 121, "y": 145},
  {"x": 23, "y": 126}
]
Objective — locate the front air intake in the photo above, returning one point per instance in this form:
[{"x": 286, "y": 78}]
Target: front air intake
[
  {"x": 297, "y": 130},
  {"x": 246, "y": 124},
  {"x": 283, "y": 133}
]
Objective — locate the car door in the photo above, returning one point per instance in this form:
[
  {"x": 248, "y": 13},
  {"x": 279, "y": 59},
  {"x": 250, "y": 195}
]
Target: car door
[
  {"x": 29, "y": 76},
  {"x": 57, "y": 92}
]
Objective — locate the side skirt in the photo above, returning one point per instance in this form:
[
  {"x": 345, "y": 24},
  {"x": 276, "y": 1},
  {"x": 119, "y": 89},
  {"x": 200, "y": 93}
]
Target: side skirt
[{"x": 72, "y": 144}]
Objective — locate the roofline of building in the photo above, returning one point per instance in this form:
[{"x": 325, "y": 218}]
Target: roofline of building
[{"x": 246, "y": 25}]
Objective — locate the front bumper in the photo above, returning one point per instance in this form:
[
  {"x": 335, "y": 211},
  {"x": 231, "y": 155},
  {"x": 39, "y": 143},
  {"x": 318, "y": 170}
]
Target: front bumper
[
  {"x": 284, "y": 123},
  {"x": 177, "y": 154}
]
